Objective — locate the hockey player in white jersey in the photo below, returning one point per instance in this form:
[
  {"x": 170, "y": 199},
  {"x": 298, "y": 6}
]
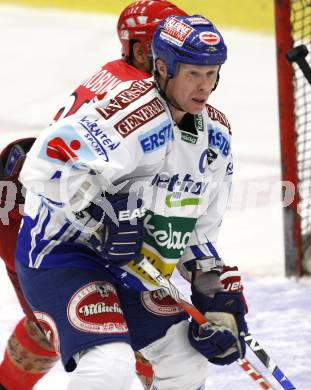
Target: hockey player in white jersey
[{"x": 145, "y": 171}]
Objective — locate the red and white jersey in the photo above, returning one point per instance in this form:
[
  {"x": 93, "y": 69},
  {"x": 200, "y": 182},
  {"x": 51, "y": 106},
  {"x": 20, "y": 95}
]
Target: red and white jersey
[
  {"x": 108, "y": 77},
  {"x": 128, "y": 141}
]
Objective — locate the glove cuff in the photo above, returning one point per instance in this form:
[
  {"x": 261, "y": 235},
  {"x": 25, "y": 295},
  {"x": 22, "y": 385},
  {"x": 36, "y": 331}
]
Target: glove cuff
[{"x": 222, "y": 302}]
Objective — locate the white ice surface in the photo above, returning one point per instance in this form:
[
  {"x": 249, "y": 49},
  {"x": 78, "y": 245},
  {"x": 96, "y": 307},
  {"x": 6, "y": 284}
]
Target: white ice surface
[{"x": 46, "y": 53}]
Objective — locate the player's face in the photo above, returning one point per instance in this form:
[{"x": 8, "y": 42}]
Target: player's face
[
  {"x": 191, "y": 86},
  {"x": 141, "y": 59}
]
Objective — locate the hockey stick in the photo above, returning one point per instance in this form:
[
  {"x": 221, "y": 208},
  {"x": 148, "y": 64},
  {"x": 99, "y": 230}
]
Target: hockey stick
[
  {"x": 298, "y": 54},
  {"x": 252, "y": 372},
  {"x": 197, "y": 316},
  {"x": 267, "y": 362}
]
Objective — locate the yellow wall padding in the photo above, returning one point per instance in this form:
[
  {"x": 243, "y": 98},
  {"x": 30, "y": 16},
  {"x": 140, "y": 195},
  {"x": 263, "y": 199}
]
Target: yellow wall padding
[{"x": 254, "y": 15}]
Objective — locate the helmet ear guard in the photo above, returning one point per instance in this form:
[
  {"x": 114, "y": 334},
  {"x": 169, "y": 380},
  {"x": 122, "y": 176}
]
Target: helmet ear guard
[
  {"x": 216, "y": 82},
  {"x": 190, "y": 40}
]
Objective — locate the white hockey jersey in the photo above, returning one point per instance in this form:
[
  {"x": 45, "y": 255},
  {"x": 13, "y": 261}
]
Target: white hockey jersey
[{"x": 128, "y": 141}]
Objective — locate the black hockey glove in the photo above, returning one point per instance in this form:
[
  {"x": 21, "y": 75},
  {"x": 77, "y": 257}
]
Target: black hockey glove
[{"x": 121, "y": 237}]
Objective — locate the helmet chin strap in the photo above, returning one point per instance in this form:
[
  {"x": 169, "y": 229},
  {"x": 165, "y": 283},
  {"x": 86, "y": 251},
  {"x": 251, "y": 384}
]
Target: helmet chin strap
[
  {"x": 217, "y": 81},
  {"x": 162, "y": 92}
]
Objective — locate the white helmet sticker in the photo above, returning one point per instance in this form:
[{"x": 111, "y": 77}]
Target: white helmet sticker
[{"x": 209, "y": 38}]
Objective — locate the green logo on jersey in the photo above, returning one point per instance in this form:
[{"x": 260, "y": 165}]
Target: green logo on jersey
[
  {"x": 168, "y": 235},
  {"x": 173, "y": 201},
  {"x": 192, "y": 139},
  {"x": 198, "y": 122}
]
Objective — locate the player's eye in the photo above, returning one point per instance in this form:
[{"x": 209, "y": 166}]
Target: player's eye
[
  {"x": 210, "y": 74},
  {"x": 193, "y": 73}
]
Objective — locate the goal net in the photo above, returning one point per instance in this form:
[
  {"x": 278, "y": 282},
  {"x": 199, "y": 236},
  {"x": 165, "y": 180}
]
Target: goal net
[{"x": 293, "y": 28}]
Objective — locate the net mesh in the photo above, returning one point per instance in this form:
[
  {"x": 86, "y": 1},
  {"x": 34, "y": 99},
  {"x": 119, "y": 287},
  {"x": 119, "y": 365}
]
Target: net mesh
[{"x": 301, "y": 33}]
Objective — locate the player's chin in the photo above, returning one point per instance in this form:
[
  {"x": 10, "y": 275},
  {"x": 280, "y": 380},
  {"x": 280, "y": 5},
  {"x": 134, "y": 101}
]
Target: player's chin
[{"x": 196, "y": 106}]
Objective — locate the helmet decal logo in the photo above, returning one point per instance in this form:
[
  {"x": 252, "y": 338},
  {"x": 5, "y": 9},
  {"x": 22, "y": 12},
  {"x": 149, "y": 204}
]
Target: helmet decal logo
[
  {"x": 176, "y": 31},
  {"x": 209, "y": 37},
  {"x": 124, "y": 34},
  {"x": 198, "y": 20}
]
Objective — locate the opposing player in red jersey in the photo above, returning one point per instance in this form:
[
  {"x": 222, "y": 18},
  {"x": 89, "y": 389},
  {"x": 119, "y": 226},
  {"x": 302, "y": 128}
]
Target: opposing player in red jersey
[
  {"x": 136, "y": 26},
  {"x": 28, "y": 355}
]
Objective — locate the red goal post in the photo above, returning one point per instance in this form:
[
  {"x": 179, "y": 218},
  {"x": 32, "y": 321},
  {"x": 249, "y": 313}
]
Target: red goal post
[{"x": 293, "y": 28}]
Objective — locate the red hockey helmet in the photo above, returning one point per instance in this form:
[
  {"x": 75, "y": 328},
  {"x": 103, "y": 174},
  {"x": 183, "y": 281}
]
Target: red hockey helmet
[{"x": 139, "y": 21}]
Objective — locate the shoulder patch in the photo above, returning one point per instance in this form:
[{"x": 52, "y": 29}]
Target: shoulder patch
[
  {"x": 218, "y": 116},
  {"x": 139, "y": 117},
  {"x": 126, "y": 97}
]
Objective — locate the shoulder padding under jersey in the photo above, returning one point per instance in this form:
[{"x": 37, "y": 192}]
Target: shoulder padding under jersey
[{"x": 218, "y": 116}]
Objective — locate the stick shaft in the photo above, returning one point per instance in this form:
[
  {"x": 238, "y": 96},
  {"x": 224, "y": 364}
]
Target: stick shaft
[
  {"x": 254, "y": 374},
  {"x": 268, "y": 363}
]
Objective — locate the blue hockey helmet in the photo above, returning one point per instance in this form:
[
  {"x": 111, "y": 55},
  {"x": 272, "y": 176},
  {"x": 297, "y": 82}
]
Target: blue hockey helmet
[{"x": 190, "y": 40}]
